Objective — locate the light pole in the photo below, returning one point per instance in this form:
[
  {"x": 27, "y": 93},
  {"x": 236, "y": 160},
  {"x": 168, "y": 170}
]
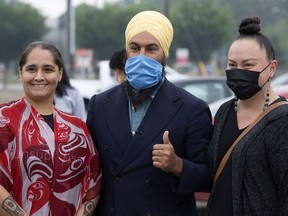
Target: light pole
[
  {"x": 70, "y": 38},
  {"x": 166, "y": 8}
]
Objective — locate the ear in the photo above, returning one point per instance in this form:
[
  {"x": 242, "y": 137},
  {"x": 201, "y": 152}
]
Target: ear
[
  {"x": 60, "y": 74},
  {"x": 273, "y": 68},
  {"x": 20, "y": 75}
]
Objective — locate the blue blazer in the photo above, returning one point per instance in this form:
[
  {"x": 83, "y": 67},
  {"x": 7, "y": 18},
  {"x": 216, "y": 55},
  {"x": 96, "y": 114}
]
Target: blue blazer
[{"x": 132, "y": 185}]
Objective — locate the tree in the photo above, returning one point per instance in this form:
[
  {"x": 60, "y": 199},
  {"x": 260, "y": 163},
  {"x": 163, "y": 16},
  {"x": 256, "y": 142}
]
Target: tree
[
  {"x": 201, "y": 27},
  {"x": 103, "y": 30},
  {"x": 276, "y": 33},
  {"x": 19, "y": 24},
  {"x": 273, "y": 15}
]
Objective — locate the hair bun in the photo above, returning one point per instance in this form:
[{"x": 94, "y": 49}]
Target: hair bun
[{"x": 250, "y": 26}]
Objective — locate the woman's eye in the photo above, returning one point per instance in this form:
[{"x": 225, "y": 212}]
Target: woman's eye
[
  {"x": 232, "y": 66},
  {"x": 48, "y": 70},
  {"x": 31, "y": 69}
]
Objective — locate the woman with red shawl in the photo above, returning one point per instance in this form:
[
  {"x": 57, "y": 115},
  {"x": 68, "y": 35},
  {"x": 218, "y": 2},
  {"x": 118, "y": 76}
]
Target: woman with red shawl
[{"x": 48, "y": 163}]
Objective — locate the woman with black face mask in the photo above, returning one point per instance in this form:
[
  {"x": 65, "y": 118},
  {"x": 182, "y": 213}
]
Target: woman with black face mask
[{"x": 249, "y": 149}]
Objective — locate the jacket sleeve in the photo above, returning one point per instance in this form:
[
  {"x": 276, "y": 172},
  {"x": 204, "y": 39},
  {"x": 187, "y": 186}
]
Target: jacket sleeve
[
  {"x": 277, "y": 151},
  {"x": 195, "y": 175}
]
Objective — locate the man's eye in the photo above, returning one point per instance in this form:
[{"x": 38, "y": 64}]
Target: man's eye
[
  {"x": 152, "y": 48},
  {"x": 134, "y": 48}
]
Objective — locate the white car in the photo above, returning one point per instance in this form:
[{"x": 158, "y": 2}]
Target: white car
[{"x": 280, "y": 80}]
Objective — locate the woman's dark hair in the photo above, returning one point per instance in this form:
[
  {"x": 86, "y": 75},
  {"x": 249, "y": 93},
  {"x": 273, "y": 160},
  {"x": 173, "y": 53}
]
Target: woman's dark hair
[
  {"x": 250, "y": 28},
  {"x": 65, "y": 82}
]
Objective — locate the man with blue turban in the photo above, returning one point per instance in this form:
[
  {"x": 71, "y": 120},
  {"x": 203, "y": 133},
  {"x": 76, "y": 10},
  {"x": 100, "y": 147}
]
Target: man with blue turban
[{"x": 151, "y": 135}]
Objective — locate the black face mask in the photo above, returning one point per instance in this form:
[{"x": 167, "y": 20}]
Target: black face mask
[{"x": 244, "y": 83}]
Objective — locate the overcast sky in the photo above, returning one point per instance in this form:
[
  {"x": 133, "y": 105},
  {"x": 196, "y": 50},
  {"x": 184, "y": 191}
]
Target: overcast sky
[{"x": 54, "y": 8}]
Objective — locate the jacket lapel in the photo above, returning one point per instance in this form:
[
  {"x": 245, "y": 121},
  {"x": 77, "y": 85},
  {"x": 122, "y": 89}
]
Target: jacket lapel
[
  {"x": 163, "y": 107},
  {"x": 116, "y": 109}
]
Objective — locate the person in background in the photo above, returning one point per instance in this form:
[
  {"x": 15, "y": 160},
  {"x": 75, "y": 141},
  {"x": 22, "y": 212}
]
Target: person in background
[
  {"x": 254, "y": 180},
  {"x": 69, "y": 99},
  {"x": 117, "y": 64},
  {"x": 48, "y": 162},
  {"x": 152, "y": 136}
]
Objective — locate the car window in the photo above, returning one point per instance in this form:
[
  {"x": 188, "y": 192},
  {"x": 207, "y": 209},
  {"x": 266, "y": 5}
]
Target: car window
[
  {"x": 208, "y": 92},
  {"x": 280, "y": 80}
]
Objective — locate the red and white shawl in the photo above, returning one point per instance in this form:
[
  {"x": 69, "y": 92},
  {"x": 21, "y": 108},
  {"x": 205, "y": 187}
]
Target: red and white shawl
[{"x": 47, "y": 173}]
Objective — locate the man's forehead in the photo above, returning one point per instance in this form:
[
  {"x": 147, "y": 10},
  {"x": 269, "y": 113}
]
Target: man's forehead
[{"x": 144, "y": 38}]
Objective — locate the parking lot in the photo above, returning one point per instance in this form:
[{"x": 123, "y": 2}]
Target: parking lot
[{"x": 10, "y": 94}]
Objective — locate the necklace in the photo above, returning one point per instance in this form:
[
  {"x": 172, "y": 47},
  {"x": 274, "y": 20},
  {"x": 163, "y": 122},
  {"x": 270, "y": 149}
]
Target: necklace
[{"x": 265, "y": 106}]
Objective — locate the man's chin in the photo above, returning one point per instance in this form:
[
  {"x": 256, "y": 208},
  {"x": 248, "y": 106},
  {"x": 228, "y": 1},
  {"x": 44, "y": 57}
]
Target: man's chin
[{"x": 138, "y": 96}]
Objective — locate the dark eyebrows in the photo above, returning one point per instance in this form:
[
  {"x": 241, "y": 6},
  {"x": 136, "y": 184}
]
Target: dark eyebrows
[
  {"x": 246, "y": 60},
  {"x": 149, "y": 45},
  {"x": 48, "y": 66},
  {"x": 153, "y": 45}
]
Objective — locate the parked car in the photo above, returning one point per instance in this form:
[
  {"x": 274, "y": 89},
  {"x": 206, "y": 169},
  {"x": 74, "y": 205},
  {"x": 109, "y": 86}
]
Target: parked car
[
  {"x": 281, "y": 90},
  {"x": 209, "y": 89},
  {"x": 280, "y": 80}
]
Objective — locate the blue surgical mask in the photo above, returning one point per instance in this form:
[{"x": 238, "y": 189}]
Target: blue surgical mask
[{"x": 143, "y": 72}]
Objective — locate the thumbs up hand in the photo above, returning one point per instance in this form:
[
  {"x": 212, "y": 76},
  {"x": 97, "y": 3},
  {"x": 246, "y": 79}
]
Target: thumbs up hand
[
  {"x": 165, "y": 158},
  {"x": 166, "y": 138}
]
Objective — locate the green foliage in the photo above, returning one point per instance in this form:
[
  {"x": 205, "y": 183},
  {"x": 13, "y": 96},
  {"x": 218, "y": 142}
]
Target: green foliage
[
  {"x": 19, "y": 25},
  {"x": 273, "y": 15},
  {"x": 277, "y": 35},
  {"x": 204, "y": 26},
  {"x": 200, "y": 26},
  {"x": 103, "y": 30}
]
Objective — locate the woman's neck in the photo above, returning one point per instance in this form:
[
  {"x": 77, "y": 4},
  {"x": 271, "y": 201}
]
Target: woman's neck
[{"x": 44, "y": 107}]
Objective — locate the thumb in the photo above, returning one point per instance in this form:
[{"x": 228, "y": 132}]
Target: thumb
[{"x": 166, "y": 137}]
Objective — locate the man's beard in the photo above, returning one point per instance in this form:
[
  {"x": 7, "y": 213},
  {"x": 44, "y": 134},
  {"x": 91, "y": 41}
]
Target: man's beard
[{"x": 138, "y": 96}]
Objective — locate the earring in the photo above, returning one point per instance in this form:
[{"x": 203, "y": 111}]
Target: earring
[
  {"x": 235, "y": 103},
  {"x": 267, "y": 100}
]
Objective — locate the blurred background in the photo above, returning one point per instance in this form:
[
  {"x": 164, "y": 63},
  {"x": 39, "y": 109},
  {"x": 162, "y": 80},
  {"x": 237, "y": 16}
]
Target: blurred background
[{"x": 88, "y": 32}]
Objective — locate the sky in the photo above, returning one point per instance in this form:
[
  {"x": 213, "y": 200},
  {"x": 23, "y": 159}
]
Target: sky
[{"x": 54, "y": 8}]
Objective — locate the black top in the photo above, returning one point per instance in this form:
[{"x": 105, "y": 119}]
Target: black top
[
  {"x": 223, "y": 205},
  {"x": 223, "y": 188},
  {"x": 49, "y": 120}
]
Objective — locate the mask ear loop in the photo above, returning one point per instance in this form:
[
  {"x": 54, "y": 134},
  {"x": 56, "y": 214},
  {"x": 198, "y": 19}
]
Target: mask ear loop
[{"x": 265, "y": 67}]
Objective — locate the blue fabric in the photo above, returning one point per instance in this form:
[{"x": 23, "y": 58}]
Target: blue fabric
[{"x": 143, "y": 72}]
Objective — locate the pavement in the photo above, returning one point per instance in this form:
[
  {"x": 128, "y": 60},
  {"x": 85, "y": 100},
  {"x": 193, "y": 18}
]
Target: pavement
[{"x": 10, "y": 92}]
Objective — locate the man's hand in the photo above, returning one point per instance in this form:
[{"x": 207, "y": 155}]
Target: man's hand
[{"x": 164, "y": 157}]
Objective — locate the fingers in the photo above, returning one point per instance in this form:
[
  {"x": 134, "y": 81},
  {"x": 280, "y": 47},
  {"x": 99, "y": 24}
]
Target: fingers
[
  {"x": 162, "y": 152},
  {"x": 166, "y": 139}
]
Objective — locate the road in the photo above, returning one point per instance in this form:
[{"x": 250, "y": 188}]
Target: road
[{"x": 11, "y": 92}]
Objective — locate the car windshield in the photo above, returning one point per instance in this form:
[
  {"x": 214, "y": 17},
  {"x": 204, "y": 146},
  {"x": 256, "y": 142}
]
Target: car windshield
[{"x": 207, "y": 89}]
